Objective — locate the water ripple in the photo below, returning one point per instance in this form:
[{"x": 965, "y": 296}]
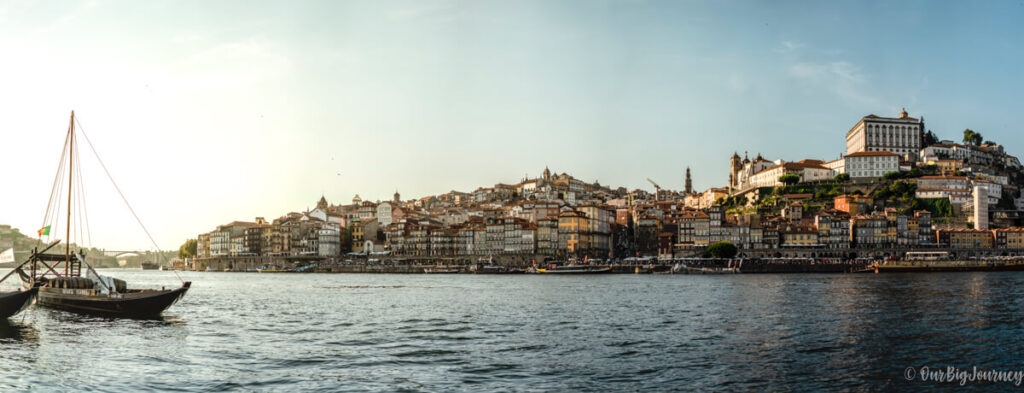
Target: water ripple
[{"x": 320, "y": 332}]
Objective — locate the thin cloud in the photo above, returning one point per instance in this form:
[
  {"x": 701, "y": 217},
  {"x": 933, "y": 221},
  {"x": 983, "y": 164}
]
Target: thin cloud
[
  {"x": 789, "y": 46},
  {"x": 840, "y": 78},
  {"x": 838, "y": 70}
]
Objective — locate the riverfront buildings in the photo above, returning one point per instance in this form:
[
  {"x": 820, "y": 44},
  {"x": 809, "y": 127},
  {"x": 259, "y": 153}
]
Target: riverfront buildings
[{"x": 889, "y": 190}]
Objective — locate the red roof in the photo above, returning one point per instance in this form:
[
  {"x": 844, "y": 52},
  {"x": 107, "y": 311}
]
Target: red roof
[
  {"x": 944, "y": 189},
  {"x": 802, "y": 165},
  {"x": 811, "y": 161},
  {"x": 872, "y": 116},
  {"x": 872, "y": 154}
]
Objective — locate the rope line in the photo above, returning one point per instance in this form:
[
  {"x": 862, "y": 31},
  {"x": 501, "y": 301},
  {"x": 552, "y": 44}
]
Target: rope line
[
  {"x": 75, "y": 205},
  {"x": 123, "y": 198},
  {"x": 54, "y": 221},
  {"x": 85, "y": 208},
  {"x": 56, "y": 180}
]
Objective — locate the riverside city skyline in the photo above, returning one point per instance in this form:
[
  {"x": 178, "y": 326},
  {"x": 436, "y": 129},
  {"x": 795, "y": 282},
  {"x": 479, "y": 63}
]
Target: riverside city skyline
[
  {"x": 493, "y": 195},
  {"x": 898, "y": 187},
  {"x": 312, "y": 97}
]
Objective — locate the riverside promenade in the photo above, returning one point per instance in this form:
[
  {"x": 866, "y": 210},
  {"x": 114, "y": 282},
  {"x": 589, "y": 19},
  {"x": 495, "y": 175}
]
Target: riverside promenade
[
  {"x": 407, "y": 265},
  {"x": 775, "y": 260}
]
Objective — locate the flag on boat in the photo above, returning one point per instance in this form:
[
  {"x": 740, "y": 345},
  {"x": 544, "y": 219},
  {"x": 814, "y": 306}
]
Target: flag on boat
[
  {"x": 7, "y": 256},
  {"x": 44, "y": 231}
]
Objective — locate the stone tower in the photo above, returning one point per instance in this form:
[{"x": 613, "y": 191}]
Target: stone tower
[
  {"x": 689, "y": 182},
  {"x": 980, "y": 207},
  {"x": 322, "y": 204},
  {"x": 735, "y": 165},
  {"x": 398, "y": 198}
]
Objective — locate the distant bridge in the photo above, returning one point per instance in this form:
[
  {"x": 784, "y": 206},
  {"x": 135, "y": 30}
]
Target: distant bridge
[{"x": 119, "y": 254}]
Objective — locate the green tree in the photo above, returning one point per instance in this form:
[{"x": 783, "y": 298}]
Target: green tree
[
  {"x": 939, "y": 207},
  {"x": 842, "y": 177},
  {"x": 928, "y": 169},
  {"x": 892, "y": 175},
  {"x": 826, "y": 194},
  {"x": 789, "y": 179},
  {"x": 723, "y": 250},
  {"x": 972, "y": 138},
  {"x": 929, "y": 139},
  {"x": 732, "y": 202},
  {"x": 189, "y": 249}
]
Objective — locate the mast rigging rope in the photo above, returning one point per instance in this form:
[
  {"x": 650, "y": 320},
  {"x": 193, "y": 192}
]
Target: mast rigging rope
[
  {"x": 123, "y": 198},
  {"x": 56, "y": 180}
]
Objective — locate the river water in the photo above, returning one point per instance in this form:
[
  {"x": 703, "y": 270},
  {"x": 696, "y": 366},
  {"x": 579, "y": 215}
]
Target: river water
[{"x": 362, "y": 332}]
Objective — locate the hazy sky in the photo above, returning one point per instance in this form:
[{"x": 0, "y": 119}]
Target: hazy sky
[{"x": 210, "y": 111}]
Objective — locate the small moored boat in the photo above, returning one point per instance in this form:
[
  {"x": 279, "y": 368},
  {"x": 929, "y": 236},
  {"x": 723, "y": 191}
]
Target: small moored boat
[
  {"x": 441, "y": 270},
  {"x": 275, "y": 269},
  {"x": 75, "y": 290},
  {"x": 67, "y": 281},
  {"x": 571, "y": 269},
  {"x": 707, "y": 270},
  {"x": 14, "y": 302}
]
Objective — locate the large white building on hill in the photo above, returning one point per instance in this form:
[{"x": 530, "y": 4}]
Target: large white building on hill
[{"x": 901, "y": 135}]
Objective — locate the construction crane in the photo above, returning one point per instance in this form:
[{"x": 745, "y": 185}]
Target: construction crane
[{"x": 657, "y": 188}]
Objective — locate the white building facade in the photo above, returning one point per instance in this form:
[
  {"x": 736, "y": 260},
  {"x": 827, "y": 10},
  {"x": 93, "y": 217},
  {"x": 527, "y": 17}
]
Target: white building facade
[
  {"x": 867, "y": 164},
  {"x": 384, "y": 213},
  {"x": 901, "y": 135}
]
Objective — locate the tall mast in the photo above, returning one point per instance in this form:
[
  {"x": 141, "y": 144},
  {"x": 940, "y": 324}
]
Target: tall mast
[{"x": 71, "y": 164}]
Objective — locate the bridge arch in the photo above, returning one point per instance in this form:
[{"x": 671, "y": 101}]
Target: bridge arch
[{"x": 118, "y": 254}]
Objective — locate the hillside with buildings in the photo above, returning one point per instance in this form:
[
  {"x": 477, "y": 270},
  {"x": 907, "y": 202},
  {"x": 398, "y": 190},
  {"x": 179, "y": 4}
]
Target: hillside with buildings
[
  {"x": 23, "y": 245},
  {"x": 896, "y": 187}
]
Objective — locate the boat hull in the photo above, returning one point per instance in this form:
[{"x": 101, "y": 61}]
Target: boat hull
[
  {"x": 14, "y": 302},
  {"x": 441, "y": 271},
  {"x": 141, "y": 304},
  {"x": 722, "y": 270},
  {"x": 601, "y": 270},
  {"x": 501, "y": 270}
]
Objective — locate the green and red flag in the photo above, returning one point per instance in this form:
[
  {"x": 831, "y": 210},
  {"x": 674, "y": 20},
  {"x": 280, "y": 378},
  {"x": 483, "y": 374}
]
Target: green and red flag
[{"x": 44, "y": 231}]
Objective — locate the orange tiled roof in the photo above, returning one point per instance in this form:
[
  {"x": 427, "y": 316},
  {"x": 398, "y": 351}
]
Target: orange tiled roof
[{"x": 872, "y": 154}]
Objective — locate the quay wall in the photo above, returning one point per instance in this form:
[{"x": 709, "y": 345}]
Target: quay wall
[
  {"x": 386, "y": 263},
  {"x": 843, "y": 260}
]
